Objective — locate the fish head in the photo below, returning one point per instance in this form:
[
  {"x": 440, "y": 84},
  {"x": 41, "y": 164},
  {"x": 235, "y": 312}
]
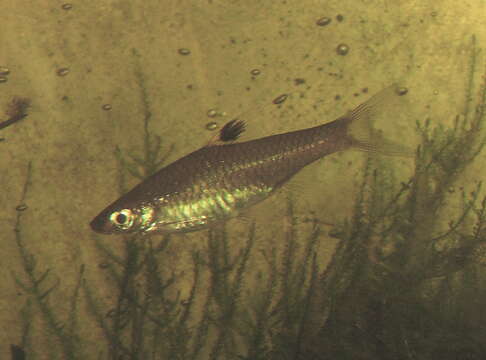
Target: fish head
[
  {"x": 122, "y": 220},
  {"x": 111, "y": 222}
]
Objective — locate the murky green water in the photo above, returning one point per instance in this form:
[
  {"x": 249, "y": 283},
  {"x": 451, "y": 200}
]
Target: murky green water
[{"x": 358, "y": 257}]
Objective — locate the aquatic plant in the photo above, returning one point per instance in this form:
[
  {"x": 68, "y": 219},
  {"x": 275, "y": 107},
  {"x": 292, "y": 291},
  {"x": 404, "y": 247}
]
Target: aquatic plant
[
  {"x": 400, "y": 278},
  {"x": 39, "y": 285}
]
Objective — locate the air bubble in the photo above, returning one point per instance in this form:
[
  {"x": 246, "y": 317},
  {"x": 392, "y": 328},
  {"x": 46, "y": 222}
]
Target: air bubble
[
  {"x": 401, "y": 91},
  {"x": 255, "y": 72},
  {"x": 21, "y": 207},
  {"x": 184, "y": 51},
  {"x": 212, "y": 113},
  {"x": 323, "y": 21},
  {"x": 342, "y": 49},
  {"x": 211, "y": 126},
  {"x": 280, "y": 99},
  {"x": 62, "y": 71}
]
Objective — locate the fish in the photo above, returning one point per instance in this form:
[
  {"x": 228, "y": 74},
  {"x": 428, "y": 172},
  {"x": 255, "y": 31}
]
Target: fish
[{"x": 226, "y": 177}]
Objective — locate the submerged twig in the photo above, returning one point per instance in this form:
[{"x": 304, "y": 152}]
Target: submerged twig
[{"x": 16, "y": 110}]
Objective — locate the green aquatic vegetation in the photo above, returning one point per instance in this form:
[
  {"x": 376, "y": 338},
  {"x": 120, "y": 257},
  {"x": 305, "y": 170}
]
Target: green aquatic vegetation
[
  {"x": 225, "y": 289},
  {"x": 39, "y": 285},
  {"x": 147, "y": 318},
  {"x": 273, "y": 321},
  {"x": 403, "y": 273},
  {"x": 151, "y": 159}
]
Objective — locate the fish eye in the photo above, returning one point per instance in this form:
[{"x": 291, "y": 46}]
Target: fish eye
[{"x": 122, "y": 219}]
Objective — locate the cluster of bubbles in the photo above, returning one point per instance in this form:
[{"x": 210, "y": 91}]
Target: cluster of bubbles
[
  {"x": 341, "y": 49},
  {"x": 4, "y": 72}
]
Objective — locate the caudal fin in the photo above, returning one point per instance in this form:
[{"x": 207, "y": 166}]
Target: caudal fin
[{"x": 364, "y": 136}]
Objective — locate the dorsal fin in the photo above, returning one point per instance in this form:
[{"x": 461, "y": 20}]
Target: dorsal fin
[{"x": 232, "y": 130}]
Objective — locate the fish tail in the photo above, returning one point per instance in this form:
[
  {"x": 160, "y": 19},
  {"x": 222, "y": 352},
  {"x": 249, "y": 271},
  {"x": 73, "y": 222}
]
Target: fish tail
[{"x": 363, "y": 135}]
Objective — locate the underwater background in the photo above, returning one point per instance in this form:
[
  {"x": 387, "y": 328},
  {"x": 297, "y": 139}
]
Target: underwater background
[{"x": 359, "y": 257}]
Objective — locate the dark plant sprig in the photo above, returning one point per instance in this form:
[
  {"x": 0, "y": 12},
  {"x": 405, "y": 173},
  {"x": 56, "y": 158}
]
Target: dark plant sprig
[
  {"x": 151, "y": 159},
  {"x": 257, "y": 316},
  {"x": 35, "y": 284},
  {"x": 226, "y": 285},
  {"x": 407, "y": 221},
  {"x": 16, "y": 111}
]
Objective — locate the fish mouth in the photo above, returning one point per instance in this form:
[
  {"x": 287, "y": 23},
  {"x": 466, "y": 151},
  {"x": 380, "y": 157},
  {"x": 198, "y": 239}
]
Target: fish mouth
[{"x": 100, "y": 225}]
